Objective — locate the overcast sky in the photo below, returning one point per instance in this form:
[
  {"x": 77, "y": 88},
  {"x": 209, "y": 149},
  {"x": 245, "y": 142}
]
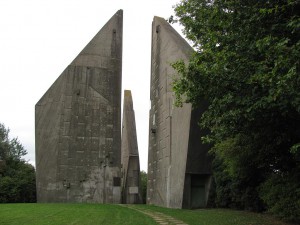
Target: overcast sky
[{"x": 40, "y": 38}]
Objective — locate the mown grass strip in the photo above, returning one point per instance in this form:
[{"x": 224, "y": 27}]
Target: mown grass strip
[
  {"x": 216, "y": 216},
  {"x": 62, "y": 214}
]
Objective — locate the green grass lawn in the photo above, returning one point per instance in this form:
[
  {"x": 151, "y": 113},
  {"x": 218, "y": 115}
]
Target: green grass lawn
[
  {"x": 217, "y": 216},
  {"x": 62, "y": 214},
  {"x": 85, "y": 214}
]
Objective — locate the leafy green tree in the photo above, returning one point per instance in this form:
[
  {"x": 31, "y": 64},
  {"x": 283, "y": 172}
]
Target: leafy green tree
[
  {"x": 246, "y": 66},
  {"x": 10, "y": 148},
  {"x": 17, "y": 177}
]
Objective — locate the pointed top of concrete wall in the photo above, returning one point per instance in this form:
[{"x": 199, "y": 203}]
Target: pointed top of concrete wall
[
  {"x": 129, "y": 138},
  {"x": 106, "y": 43},
  {"x": 128, "y": 103},
  {"x": 103, "y": 51},
  {"x": 127, "y": 94},
  {"x": 161, "y": 25}
]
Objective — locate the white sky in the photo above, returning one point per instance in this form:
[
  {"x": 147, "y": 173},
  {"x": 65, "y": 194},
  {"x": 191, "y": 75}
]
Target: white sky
[{"x": 40, "y": 38}]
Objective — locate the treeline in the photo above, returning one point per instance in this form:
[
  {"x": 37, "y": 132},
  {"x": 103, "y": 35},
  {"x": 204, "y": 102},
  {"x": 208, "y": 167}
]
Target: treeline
[
  {"x": 17, "y": 177},
  {"x": 246, "y": 66}
]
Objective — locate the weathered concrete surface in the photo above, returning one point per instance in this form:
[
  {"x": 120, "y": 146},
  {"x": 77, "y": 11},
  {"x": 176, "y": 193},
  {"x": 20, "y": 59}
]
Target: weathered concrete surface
[
  {"x": 179, "y": 168},
  {"x": 78, "y": 125},
  {"x": 130, "y": 154}
]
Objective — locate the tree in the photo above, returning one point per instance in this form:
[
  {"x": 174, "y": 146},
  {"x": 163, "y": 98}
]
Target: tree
[
  {"x": 10, "y": 148},
  {"x": 246, "y": 66},
  {"x": 17, "y": 177}
]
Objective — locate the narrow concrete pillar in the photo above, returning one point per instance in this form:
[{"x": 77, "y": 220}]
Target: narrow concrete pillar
[
  {"x": 179, "y": 167},
  {"x": 130, "y": 154}
]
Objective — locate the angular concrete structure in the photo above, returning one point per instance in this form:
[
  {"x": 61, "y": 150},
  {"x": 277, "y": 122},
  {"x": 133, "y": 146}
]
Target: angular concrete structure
[
  {"x": 130, "y": 154},
  {"x": 78, "y": 125},
  {"x": 179, "y": 168}
]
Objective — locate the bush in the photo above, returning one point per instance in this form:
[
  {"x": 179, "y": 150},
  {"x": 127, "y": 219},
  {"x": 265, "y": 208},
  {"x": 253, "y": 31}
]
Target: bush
[
  {"x": 17, "y": 177},
  {"x": 17, "y": 183},
  {"x": 281, "y": 193}
]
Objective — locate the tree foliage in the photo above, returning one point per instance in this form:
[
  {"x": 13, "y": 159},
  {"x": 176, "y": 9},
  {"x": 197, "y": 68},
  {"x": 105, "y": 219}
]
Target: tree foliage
[
  {"x": 10, "y": 148},
  {"x": 17, "y": 177},
  {"x": 246, "y": 66}
]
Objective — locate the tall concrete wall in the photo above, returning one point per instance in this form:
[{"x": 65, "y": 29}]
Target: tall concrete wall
[
  {"x": 178, "y": 164},
  {"x": 78, "y": 125},
  {"x": 130, "y": 154}
]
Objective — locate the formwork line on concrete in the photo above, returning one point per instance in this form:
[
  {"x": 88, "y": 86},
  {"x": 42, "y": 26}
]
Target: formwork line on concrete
[{"x": 158, "y": 217}]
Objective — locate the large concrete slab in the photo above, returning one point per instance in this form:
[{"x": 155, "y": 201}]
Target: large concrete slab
[
  {"x": 130, "y": 154},
  {"x": 178, "y": 164},
  {"x": 78, "y": 125}
]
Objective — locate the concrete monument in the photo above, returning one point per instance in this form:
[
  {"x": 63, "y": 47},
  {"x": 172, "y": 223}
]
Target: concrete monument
[
  {"x": 78, "y": 125},
  {"x": 130, "y": 154},
  {"x": 179, "y": 168}
]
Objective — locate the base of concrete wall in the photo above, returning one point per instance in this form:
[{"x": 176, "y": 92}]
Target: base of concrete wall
[{"x": 196, "y": 191}]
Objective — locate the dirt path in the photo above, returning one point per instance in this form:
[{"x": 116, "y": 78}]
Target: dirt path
[{"x": 159, "y": 217}]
